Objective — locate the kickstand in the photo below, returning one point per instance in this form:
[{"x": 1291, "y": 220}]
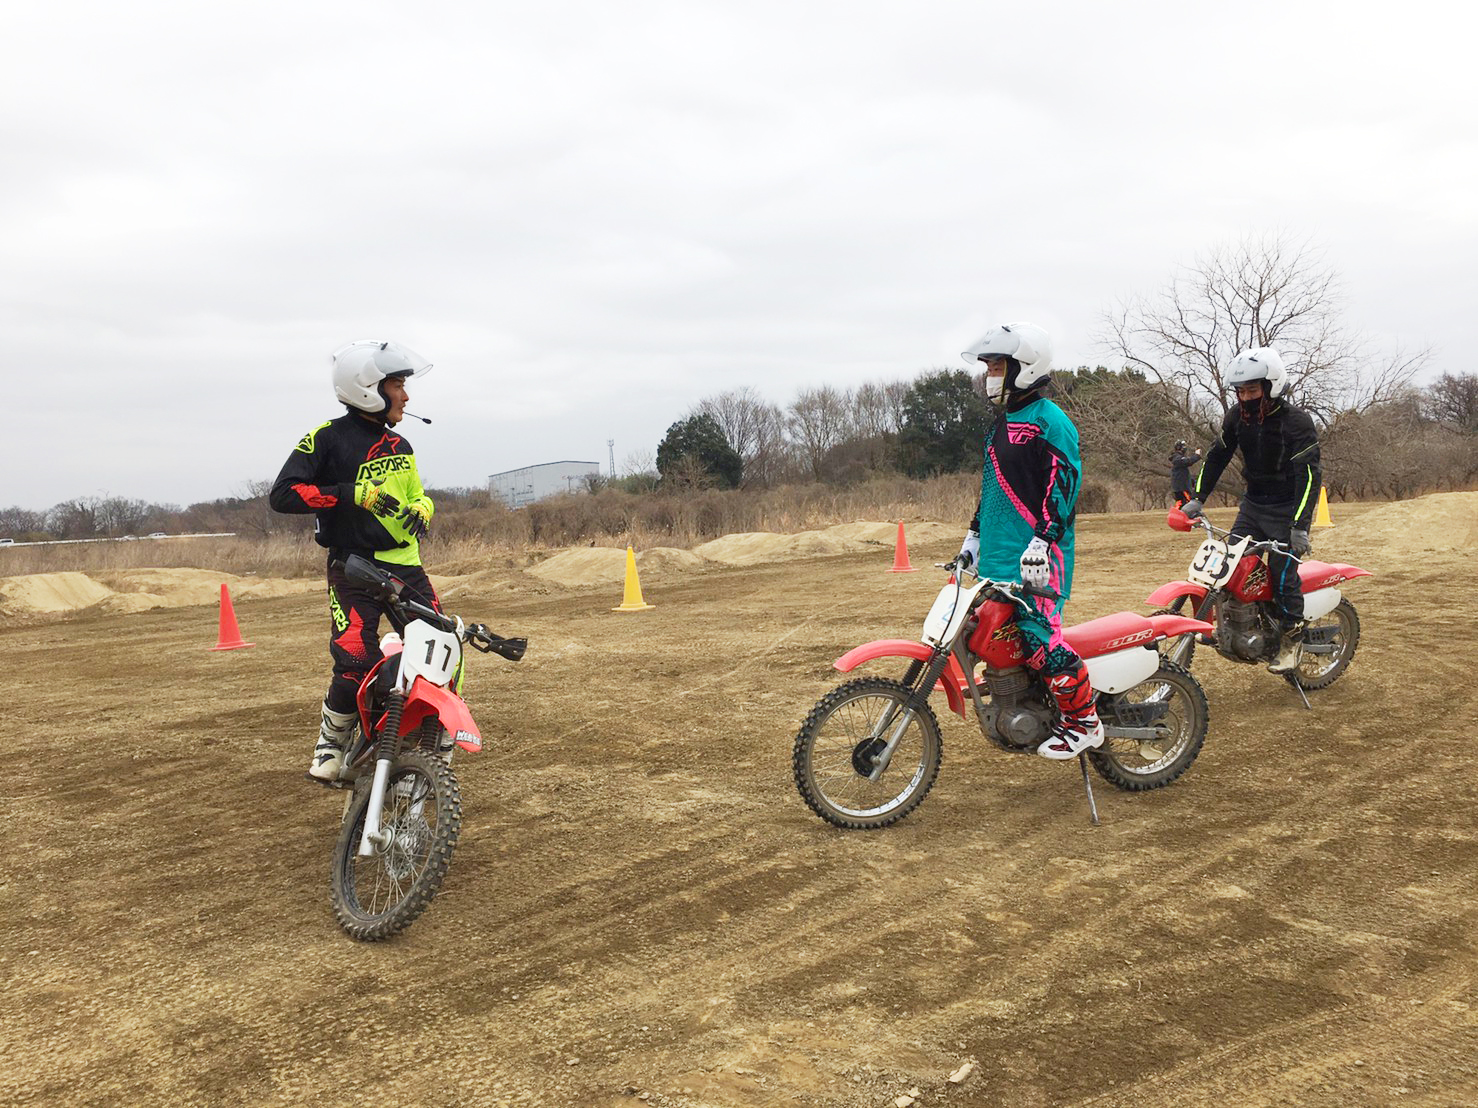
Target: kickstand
[
  {"x": 1088, "y": 786},
  {"x": 1301, "y": 694}
]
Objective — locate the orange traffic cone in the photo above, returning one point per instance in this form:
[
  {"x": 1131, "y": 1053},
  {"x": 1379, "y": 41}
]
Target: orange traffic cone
[
  {"x": 900, "y": 554},
  {"x": 230, "y": 636},
  {"x": 631, "y": 600}
]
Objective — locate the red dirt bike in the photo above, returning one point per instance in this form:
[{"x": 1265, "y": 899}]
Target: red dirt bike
[
  {"x": 404, "y": 812},
  {"x": 1228, "y": 584},
  {"x": 870, "y": 749}
]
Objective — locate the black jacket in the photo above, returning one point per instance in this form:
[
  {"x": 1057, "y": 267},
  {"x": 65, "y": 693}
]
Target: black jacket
[
  {"x": 319, "y": 477},
  {"x": 1180, "y": 469},
  {"x": 1280, "y": 458}
]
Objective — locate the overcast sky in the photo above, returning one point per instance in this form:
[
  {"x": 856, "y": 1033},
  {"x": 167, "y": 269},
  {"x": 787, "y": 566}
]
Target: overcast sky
[{"x": 591, "y": 216}]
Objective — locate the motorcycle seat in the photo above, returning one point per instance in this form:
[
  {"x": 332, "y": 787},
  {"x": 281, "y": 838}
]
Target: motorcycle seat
[{"x": 1109, "y": 633}]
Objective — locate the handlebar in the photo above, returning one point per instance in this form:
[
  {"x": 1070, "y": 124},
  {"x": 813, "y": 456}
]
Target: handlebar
[
  {"x": 1009, "y": 587},
  {"x": 475, "y": 635},
  {"x": 1255, "y": 546}
]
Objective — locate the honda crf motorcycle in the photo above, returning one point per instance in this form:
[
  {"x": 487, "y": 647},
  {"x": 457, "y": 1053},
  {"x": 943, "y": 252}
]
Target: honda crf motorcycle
[
  {"x": 870, "y": 750},
  {"x": 404, "y": 810},
  {"x": 1228, "y": 584}
]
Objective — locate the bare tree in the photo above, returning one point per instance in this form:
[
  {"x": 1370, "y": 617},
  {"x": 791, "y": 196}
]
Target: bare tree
[
  {"x": 1263, "y": 291},
  {"x": 1453, "y": 400},
  {"x": 754, "y": 427},
  {"x": 819, "y": 420}
]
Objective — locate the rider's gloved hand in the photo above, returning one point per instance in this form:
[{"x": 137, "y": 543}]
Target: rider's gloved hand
[
  {"x": 416, "y": 516},
  {"x": 372, "y": 498},
  {"x": 1299, "y": 540},
  {"x": 969, "y": 552},
  {"x": 1191, "y": 509},
  {"x": 1034, "y": 571}
]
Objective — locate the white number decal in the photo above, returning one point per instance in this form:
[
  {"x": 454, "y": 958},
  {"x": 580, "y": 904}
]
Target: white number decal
[
  {"x": 428, "y": 653},
  {"x": 1213, "y": 564}
]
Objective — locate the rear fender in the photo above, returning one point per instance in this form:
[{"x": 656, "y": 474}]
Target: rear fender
[
  {"x": 952, "y": 682},
  {"x": 427, "y": 700},
  {"x": 1167, "y": 594}
]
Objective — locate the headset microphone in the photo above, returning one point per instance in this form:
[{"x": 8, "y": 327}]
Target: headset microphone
[{"x": 422, "y": 418}]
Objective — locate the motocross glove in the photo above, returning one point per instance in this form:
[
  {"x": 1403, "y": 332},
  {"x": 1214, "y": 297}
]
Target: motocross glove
[
  {"x": 374, "y": 499},
  {"x": 416, "y": 516},
  {"x": 969, "y": 553},
  {"x": 1034, "y": 570},
  {"x": 1299, "y": 540},
  {"x": 1191, "y": 508}
]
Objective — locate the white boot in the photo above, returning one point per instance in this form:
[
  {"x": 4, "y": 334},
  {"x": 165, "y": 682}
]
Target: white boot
[
  {"x": 1290, "y": 651},
  {"x": 333, "y": 738}
]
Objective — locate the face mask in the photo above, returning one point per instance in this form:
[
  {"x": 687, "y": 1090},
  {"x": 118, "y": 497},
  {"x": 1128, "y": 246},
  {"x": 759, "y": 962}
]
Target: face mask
[{"x": 995, "y": 388}]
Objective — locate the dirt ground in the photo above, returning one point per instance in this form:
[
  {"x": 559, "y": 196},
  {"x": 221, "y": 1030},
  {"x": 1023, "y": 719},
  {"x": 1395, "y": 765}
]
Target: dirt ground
[{"x": 641, "y": 910}]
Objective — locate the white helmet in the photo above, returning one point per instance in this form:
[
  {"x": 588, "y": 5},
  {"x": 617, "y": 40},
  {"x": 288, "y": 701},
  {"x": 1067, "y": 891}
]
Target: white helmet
[
  {"x": 360, "y": 366},
  {"x": 1025, "y": 343},
  {"x": 1261, "y": 363}
]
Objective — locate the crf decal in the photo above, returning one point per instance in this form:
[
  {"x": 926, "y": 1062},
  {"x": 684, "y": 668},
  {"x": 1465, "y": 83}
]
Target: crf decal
[
  {"x": 1018, "y": 433},
  {"x": 388, "y": 444},
  {"x": 1332, "y": 579},
  {"x": 1129, "y": 640}
]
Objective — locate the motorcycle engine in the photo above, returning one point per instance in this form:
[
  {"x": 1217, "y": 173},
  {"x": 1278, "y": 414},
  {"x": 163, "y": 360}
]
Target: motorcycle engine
[
  {"x": 1015, "y": 714},
  {"x": 1244, "y": 632}
]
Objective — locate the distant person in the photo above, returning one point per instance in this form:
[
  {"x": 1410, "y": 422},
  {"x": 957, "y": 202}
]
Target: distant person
[
  {"x": 1280, "y": 458},
  {"x": 360, "y": 479},
  {"x": 1023, "y": 526},
  {"x": 1180, "y": 472}
]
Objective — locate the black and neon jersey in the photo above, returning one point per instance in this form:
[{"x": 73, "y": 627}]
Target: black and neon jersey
[
  {"x": 1280, "y": 458},
  {"x": 319, "y": 477}
]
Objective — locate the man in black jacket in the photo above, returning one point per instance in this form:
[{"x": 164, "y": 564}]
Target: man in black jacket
[
  {"x": 1180, "y": 472},
  {"x": 360, "y": 479},
  {"x": 1280, "y": 459}
]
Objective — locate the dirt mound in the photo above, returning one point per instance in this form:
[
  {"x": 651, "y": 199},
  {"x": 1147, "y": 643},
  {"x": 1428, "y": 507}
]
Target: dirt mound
[
  {"x": 591, "y": 565},
  {"x": 49, "y": 592},
  {"x": 1439, "y": 521},
  {"x": 135, "y": 590},
  {"x": 845, "y": 538}
]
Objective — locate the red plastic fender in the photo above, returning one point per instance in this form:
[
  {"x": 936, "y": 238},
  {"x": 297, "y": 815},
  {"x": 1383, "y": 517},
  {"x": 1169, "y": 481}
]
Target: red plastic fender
[
  {"x": 1162, "y": 597},
  {"x": 426, "y": 699},
  {"x": 953, "y": 681},
  {"x": 1314, "y": 575}
]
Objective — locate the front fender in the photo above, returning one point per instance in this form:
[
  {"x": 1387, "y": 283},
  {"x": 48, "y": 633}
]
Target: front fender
[
  {"x": 425, "y": 700},
  {"x": 952, "y": 682},
  {"x": 1166, "y": 594}
]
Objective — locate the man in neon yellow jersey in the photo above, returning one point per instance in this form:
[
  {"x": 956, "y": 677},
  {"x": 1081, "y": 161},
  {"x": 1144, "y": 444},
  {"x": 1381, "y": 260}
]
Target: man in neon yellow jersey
[{"x": 359, "y": 477}]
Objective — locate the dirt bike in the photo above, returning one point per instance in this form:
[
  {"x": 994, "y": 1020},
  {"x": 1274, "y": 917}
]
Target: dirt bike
[
  {"x": 1228, "y": 584},
  {"x": 403, "y": 814},
  {"x": 870, "y": 750}
]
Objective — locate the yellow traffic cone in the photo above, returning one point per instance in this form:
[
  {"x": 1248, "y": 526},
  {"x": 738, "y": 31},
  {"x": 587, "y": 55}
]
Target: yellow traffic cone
[
  {"x": 632, "y": 600},
  {"x": 1321, "y": 513}
]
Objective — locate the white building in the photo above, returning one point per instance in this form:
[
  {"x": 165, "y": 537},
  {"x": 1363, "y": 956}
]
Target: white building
[{"x": 518, "y": 487}]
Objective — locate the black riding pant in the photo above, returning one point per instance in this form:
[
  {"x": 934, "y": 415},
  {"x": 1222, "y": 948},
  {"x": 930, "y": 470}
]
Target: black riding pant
[
  {"x": 354, "y": 627},
  {"x": 1273, "y": 522}
]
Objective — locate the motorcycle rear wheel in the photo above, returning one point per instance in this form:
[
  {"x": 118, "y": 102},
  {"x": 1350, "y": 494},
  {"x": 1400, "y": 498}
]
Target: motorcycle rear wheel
[
  {"x": 1136, "y": 764},
  {"x": 840, "y": 737},
  {"x": 1340, "y": 630},
  {"x": 378, "y": 896}
]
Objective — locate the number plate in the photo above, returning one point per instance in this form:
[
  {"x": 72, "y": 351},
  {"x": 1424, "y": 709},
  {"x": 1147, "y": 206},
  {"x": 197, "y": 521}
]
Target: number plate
[
  {"x": 428, "y": 653},
  {"x": 1213, "y": 564}
]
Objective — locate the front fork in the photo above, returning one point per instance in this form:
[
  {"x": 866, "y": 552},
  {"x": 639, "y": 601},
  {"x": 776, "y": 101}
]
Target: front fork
[
  {"x": 898, "y": 718},
  {"x": 385, "y": 751}
]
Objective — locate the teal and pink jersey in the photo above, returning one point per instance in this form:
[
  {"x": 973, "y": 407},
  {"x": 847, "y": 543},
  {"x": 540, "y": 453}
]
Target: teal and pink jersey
[{"x": 1029, "y": 489}]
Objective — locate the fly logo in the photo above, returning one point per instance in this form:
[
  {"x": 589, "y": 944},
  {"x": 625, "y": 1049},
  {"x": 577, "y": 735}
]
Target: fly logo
[
  {"x": 1129, "y": 640},
  {"x": 381, "y": 467},
  {"x": 1018, "y": 433}
]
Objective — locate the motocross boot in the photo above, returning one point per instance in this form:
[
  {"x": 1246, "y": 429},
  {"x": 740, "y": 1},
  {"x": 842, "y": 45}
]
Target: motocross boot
[
  {"x": 1290, "y": 650},
  {"x": 333, "y": 737},
  {"x": 1080, "y": 728}
]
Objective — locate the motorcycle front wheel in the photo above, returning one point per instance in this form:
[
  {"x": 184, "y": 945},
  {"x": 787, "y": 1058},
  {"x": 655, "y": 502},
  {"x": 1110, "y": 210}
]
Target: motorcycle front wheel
[
  {"x": 376, "y": 896},
  {"x": 837, "y": 749},
  {"x": 1152, "y": 732},
  {"x": 1329, "y": 644}
]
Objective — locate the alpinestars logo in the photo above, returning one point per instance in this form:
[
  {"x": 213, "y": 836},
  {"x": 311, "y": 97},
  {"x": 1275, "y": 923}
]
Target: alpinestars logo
[
  {"x": 1019, "y": 433},
  {"x": 388, "y": 444},
  {"x": 381, "y": 467}
]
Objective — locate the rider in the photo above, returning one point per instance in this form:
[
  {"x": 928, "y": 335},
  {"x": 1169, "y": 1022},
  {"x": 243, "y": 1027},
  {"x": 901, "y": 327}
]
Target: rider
[
  {"x": 1180, "y": 472},
  {"x": 1023, "y": 526},
  {"x": 1280, "y": 459},
  {"x": 360, "y": 477}
]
